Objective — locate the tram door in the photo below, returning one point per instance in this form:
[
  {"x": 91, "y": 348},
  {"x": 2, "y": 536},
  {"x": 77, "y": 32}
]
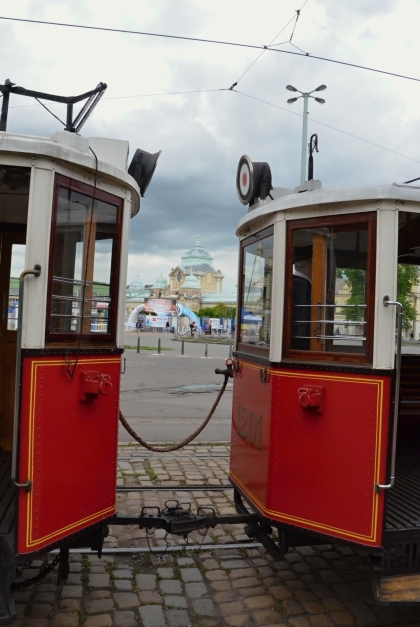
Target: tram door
[{"x": 12, "y": 243}]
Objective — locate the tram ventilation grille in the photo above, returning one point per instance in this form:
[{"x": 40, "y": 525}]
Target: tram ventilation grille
[{"x": 401, "y": 558}]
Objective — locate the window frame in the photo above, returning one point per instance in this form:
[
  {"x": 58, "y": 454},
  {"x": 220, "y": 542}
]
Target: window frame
[
  {"x": 243, "y": 347},
  {"x": 339, "y": 220},
  {"x": 108, "y": 338}
]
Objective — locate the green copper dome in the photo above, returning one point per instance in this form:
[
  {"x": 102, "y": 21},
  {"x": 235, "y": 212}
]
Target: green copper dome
[
  {"x": 198, "y": 259},
  {"x": 160, "y": 283},
  {"x": 191, "y": 282}
]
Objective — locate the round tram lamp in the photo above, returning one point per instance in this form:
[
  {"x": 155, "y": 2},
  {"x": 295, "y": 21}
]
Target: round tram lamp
[{"x": 253, "y": 180}]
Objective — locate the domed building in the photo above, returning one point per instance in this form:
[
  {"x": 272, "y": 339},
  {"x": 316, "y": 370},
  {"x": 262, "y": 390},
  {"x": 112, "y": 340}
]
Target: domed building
[
  {"x": 196, "y": 262},
  {"x": 159, "y": 286}
]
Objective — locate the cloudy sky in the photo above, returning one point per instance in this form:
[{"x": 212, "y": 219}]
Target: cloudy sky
[{"x": 202, "y": 135}]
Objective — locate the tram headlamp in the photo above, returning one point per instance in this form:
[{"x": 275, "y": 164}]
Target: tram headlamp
[
  {"x": 253, "y": 180},
  {"x": 142, "y": 168}
]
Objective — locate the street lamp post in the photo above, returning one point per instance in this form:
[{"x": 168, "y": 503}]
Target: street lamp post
[{"x": 305, "y": 96}]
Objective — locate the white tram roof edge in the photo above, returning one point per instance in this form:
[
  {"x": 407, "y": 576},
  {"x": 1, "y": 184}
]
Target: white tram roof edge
[
  {"x": 72, "y": 148},
  {"x": 333, "y": 199}
]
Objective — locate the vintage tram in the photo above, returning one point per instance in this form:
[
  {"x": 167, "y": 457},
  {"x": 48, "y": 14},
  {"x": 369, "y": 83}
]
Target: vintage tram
[
  {"x": 326, "y": 405},
  {"x": 65, "y": 207}
]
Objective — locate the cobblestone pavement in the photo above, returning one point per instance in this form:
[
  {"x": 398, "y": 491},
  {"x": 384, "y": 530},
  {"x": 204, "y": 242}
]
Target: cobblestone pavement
[{"x": 319, "y": 586}]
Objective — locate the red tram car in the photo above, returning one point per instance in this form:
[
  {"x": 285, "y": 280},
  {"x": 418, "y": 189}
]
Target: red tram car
[
  {"x": 65, "y": 207},
  {"x": 326, "y": 405}
]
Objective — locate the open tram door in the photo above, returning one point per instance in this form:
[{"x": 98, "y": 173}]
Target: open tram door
[
  {"x": 318, "y": 432},
  {"x": 65, "y": 206}
]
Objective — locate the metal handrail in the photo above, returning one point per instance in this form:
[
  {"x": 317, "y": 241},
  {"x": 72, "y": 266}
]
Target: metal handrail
[
  {"x": 27, "y": 486},
  {"x": 387, "y": 486}
]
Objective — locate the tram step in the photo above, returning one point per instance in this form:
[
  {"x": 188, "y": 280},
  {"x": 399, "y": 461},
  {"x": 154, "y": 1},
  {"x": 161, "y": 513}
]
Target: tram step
[{"x": 396, "y": 589}]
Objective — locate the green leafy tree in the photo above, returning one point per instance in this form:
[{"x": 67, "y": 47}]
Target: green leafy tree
[
  {"x": 220, "y": 310},
  {"x": 407, "y": 277},
  {"x": 206, "y": 312}
]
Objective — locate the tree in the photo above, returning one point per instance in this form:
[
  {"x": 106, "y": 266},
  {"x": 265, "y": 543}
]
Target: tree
[
  {"x": 220, "y": 310},
  {"x": 407, "y": 277}
]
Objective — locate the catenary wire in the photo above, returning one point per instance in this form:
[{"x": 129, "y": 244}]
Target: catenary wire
[
  {"x": 367, "y": 141},
  {"x": 166, "y": 93},
  {"x": 295, "y": 17},
  {"x": 211, "y": 41}
]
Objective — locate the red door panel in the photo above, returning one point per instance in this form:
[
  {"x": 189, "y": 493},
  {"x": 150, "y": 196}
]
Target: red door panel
[
  {"x": 251, "y": 416},
  {"x": 324, "y": 461},
  {"x": 68, "y": 447}
]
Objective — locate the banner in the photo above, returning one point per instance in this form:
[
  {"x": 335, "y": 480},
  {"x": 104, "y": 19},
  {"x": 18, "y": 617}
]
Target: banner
[{"x": 161, "y": 306}]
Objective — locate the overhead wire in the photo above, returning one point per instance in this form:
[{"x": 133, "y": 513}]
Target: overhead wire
[
  {"x": 367, "y": 141},
  {"x": 212, "y": 41},
  {"x": 295, "y": 17}
]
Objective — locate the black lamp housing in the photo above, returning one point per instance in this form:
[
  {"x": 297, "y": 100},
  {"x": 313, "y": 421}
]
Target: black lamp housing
[
  {"x": 253, "y": 180},
  {"x": 142, "y": 168}
]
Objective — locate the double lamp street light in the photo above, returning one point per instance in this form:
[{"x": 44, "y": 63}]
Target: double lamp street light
[{"x": 305, "y": 96}]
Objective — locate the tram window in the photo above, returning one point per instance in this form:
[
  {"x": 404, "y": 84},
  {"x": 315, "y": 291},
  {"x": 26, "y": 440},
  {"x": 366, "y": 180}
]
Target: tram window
[
  {"x": 256, "y": 290},
  {"x": 84, "y": 267},
  {"x": 17, "y": 266},
  {"x": 330, "y": 279}
]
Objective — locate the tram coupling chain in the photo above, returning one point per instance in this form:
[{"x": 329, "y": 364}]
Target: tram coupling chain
[{"x": 176, "y": 518}]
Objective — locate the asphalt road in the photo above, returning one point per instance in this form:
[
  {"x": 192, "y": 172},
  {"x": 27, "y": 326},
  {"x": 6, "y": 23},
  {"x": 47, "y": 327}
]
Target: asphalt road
[{"x": 166, "y": 397}]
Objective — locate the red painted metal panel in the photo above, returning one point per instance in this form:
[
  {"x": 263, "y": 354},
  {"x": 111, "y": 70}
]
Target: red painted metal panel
[
  {"x": 324, "y": 460},
  {"x": 251, "y": 417},
  {"x": 67, "y": 448}
]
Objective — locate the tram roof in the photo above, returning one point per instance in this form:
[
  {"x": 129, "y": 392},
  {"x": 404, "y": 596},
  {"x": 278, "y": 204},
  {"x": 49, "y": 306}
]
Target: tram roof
[
  {"x": 331, "y": 199},
  {"x": 72, "y": 148}
]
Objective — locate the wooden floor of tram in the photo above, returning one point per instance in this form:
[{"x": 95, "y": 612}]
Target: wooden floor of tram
[{"x": 7, "y": 494}]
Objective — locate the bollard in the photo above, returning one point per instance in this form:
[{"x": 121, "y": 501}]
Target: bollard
[
  {"x": 206, "y": 350},
  {"x": 159, "y": 346},
  {"x": 182, "y": 348},
  {"x": 138, "y": 344}
]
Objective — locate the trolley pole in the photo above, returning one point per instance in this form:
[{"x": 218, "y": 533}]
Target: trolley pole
[{"x": 304, "y": 139}]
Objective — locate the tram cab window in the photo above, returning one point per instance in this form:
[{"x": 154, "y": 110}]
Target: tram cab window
[
  {"x": 329, "y": 296},
  {"x": 256, "y": 291},
  {"x": 17, "y": 265},
  {"x": 84, "y": 262}
]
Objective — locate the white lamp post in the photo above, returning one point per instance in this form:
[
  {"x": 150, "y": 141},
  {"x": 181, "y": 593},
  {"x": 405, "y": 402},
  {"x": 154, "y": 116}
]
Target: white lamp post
[{"x": 305, "y": 96}]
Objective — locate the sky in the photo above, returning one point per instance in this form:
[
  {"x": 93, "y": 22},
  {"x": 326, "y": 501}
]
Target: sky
[{"x": 202, "y": 135}]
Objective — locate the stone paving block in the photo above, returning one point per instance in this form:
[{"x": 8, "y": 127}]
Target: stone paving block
[
  {"x": 70, "y": 605},
  {"x": 220, "y": 585},
  {"x": 98, "y": 581},
  {"x": 330, "y": 576},
  {"x": 299, "y": 621},
  {"x": 228, "y": 609},
  {"x": 102, "y": 620},
  {"x": 246, "y": 583},
  {"x": 345, "y": 592},
  {"x": 38, "y": 622},
  {"x": 122, "y": 574},
  {"x": 21, "y": 596},
  {"x": 75, "y": 592},
  {"x": 234, "y": 564},
  {"x": 101, "y": 605},
  {"x": 177, "y": 618},
  {"x": 241, "y": 620},
  {"x": 204, "y": 607},
  {"x": 165, "y": 573},
  {"x": 41, "y": 610},
  {"x": 126, "y": 600},
  {"x": 259, "y": 602},
  {"x": 177, "y": 602},
  {"x": 313, "y": 607},
  {"x": 363, "y": 613},
  {"x": 321, "y": 620},
  {"x": 170, "y": 586},
  {"x": 185, "y": 561},
  {"x": 243, "y": 572},
  {"x": 125, "y": 619},
  {"x": 97, "y": 569},
  {"x": 191, "y": 574},
  {"x": 148, "y": 597},
  {"x": 65, "y": 620},
  {"x": 292, "y": 607},
  {"x": 146, "y": 582},
  {"x": 195, "y": 590},
  {"x": 224, "y": 597},
  {"x": 210, "y": 564},
  {"x": 123, "y": 584},
  {"x": 215, "y": 575},
  {"x": 45, "y": 597},
  {"x": 152, "y": 616},
  {"x": 100, "y": 594},
  {"x": 342, "y": 618},
  {"x": 332, "y": 604}
]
